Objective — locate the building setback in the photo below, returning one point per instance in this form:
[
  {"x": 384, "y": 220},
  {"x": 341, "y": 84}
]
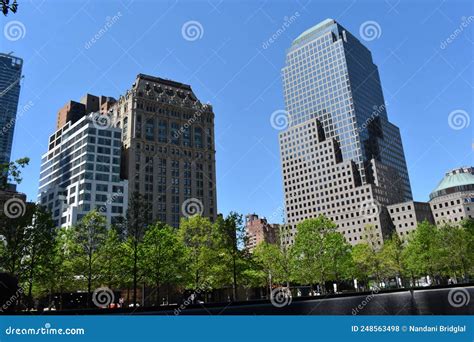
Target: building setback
[
  {"x": 340, "y": 155},
  {"x": 81, "y": 172},
  {"x": 168, "y": 151},
  {"x": 258, "y": 230},
  {"x": 406, "y": 216},
  {"x": 10, "y": 77}
]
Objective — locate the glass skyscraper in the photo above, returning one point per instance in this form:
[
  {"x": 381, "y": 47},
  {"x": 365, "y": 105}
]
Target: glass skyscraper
[
  {"x": 10, "y": 77},
  {"x": 330, "y": 76}
]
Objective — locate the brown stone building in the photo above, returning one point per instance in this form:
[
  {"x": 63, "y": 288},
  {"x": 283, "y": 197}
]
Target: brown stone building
[
  {"x": 259, "y": 230},
  {"x": 168, "y": 152},
  {"x": 73, "y": 111}
]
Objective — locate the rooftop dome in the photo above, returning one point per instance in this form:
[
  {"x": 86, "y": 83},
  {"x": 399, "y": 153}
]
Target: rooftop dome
[{"x": 461, "y": 179}]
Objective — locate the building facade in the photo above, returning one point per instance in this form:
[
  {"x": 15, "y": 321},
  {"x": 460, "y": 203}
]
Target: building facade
[
  {"x": 330, "y": 75},
  {"x": 10, "y": 77},
  {"x": 80, "y": 172},
  {"x": 406, "y": 216},
  {"x": 168, "y": 151},
  {"x": 340, "y": 155},
  {"x": 453, "y": 199},
  {"x": 258, "y": 230}
]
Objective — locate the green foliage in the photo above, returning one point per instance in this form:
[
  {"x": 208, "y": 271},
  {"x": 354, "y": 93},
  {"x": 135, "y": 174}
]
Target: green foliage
[
  {"x": 9, "y": 7},
  {"x": 309, "y": 253},
  {"x": 162, "y": 257},
  {"x": 11, "y": 172}
]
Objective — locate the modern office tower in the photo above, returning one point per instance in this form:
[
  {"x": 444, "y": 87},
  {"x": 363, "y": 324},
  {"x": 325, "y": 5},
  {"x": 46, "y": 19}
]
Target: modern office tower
[
  {"x": 259, "y": 230},
  {"x": 81, "y": 172},
  {"x": 406, "y": 216},
  {"x": 10, "y": 77},
  {"x": 318, "y": 180},
  {"x": 73, "y": 111},
  {"x": 333, "y": 93},
  {"x": 168, "y": 148},
  {"x": 329, "y": 75},
  {"x": 453, "y": 198}
]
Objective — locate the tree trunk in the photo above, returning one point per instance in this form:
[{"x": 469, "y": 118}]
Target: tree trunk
[{"x": 234, "y": 285}]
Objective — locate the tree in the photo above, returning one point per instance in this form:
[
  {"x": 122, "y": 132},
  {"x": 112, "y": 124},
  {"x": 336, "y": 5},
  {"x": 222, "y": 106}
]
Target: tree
[
  {"x": 274, "y": 262},
  {"x": 232, "y": 238},
  {"x": 309, "y": 251},
  {"x": 59, "y": 270},
  {"x": 90, "y": 235},
  {"x": 453, "y": 251},
  {"x": 199, "y": 236},
  {"x": 162, "y": 258},
  {"x": 14, "y": 232},
  {"x": 110, "y": 256},
  {"x": 39, "y": 244},
  {"x": 337, "y": 256},
  {"x": 6, "y": 6},
  {"x": 363, "y": 262},
  {"x": 11, "y": 172},
  {"x": 136, "y": 225},
  {"x": 391, "y": 259},
  {"x": 421, "y": 253}
]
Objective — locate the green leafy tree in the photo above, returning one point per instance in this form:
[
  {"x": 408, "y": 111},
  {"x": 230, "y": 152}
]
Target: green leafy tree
[
  {"x": 198, "y": 235},
  {"x": 232, "y": 238},
  {"x": 8, "y": 6},
  {"x": 11, "y": 172},
  {"x": 310, "y": 266},
  {"x": 111, "y": 259},
  {"x": 90, "y": 235},
  {"x": 136, "y": 224},
  {"x": 40, "y": 237},
  {"x": 274, "y": 262},
  {"x": 453, "y": 251},
  {"x": 420, "y": 256},
  {"x": 162, "y": 259},
  {"x": 59, "y": 270},
  {"x": 391, "y": 259},
  {"x": 337, "y": 257}
]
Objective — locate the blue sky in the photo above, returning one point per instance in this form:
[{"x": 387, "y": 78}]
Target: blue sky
[{"x": 425, "y": 78}]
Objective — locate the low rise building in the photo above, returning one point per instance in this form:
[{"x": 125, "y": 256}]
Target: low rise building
[
  {"x": 453, "y": 199},
  {"x": 259, "y": 230}
]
